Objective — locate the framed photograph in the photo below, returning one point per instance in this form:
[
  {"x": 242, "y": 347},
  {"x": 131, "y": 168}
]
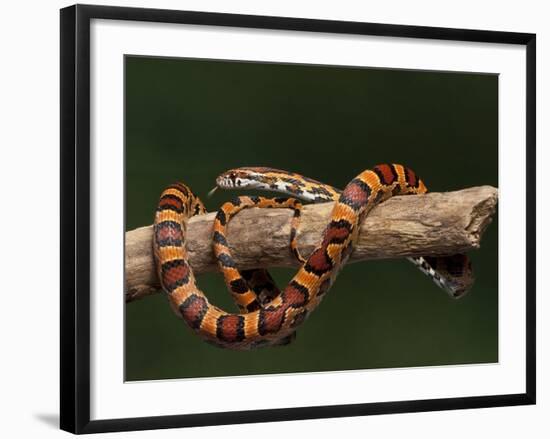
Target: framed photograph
[{"x": 199, "y": 150}]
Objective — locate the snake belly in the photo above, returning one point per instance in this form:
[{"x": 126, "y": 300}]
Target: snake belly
[{"x": 281, "y": 316}]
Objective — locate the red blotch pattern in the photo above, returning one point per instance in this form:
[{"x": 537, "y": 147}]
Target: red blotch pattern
[
  {"x": 294, "y": 297},
  {"x": 271, "y": 319},
  {"x": 386, "y": 171},
  {"x": 169, "y": 232},
  {"x": 170, "y": 201},
  {"x": 193, "y": 310},
  {"x": 412, "y": 179},
  {"x": 355, "y": 193},
  {"x": 173, "y": 274},
  {"x": 334, "y": 233},
  {"x": 319, "y": 260},
  {"x": 230, "y": 328}
]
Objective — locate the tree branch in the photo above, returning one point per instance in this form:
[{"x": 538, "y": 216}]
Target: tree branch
[{"x": 431, "y": 224}]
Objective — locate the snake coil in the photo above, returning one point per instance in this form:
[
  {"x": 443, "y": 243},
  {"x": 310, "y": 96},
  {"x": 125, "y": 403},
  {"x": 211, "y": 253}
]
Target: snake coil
[{"x": 270, "y": 317}]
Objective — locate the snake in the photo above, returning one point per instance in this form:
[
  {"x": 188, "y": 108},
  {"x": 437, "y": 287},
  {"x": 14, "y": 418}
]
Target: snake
[{"x": 268, "y": 319}]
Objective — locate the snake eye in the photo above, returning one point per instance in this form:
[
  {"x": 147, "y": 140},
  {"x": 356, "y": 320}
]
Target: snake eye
[{"x": 232, "y": 176}]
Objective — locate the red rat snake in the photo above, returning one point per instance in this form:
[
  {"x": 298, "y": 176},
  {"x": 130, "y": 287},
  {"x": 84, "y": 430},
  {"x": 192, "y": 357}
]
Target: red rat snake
[{"x": 272, "y": 318}]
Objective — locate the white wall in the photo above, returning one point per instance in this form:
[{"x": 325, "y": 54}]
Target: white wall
[{"x": 29, "y": 222}]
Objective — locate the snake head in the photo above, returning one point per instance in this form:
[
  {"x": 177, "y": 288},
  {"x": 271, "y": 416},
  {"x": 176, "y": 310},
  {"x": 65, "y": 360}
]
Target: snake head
[{"x": 249, "y": 178}]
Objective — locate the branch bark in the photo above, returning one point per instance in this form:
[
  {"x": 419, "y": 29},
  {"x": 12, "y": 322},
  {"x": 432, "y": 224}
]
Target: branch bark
[{"x": 431, "y": 224}]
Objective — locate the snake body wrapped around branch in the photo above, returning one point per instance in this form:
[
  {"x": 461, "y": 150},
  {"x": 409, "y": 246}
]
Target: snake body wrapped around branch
[{"x": 272, "y": 319}]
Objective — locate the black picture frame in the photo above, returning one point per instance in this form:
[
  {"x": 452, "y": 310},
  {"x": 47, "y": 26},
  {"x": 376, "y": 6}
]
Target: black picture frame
[{"x": 75, "y": 217}]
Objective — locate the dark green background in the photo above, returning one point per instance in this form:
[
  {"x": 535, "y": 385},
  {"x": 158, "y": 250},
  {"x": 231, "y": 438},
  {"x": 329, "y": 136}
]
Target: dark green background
[{"x": 190, "y": 120}]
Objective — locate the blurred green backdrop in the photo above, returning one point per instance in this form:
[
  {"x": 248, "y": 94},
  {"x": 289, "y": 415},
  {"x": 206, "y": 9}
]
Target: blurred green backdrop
[{"x": 189, "y": 120}]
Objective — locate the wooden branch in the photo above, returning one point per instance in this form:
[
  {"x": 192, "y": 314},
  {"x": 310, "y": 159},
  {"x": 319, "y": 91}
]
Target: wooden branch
[{"x": 431, "y": 224}]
